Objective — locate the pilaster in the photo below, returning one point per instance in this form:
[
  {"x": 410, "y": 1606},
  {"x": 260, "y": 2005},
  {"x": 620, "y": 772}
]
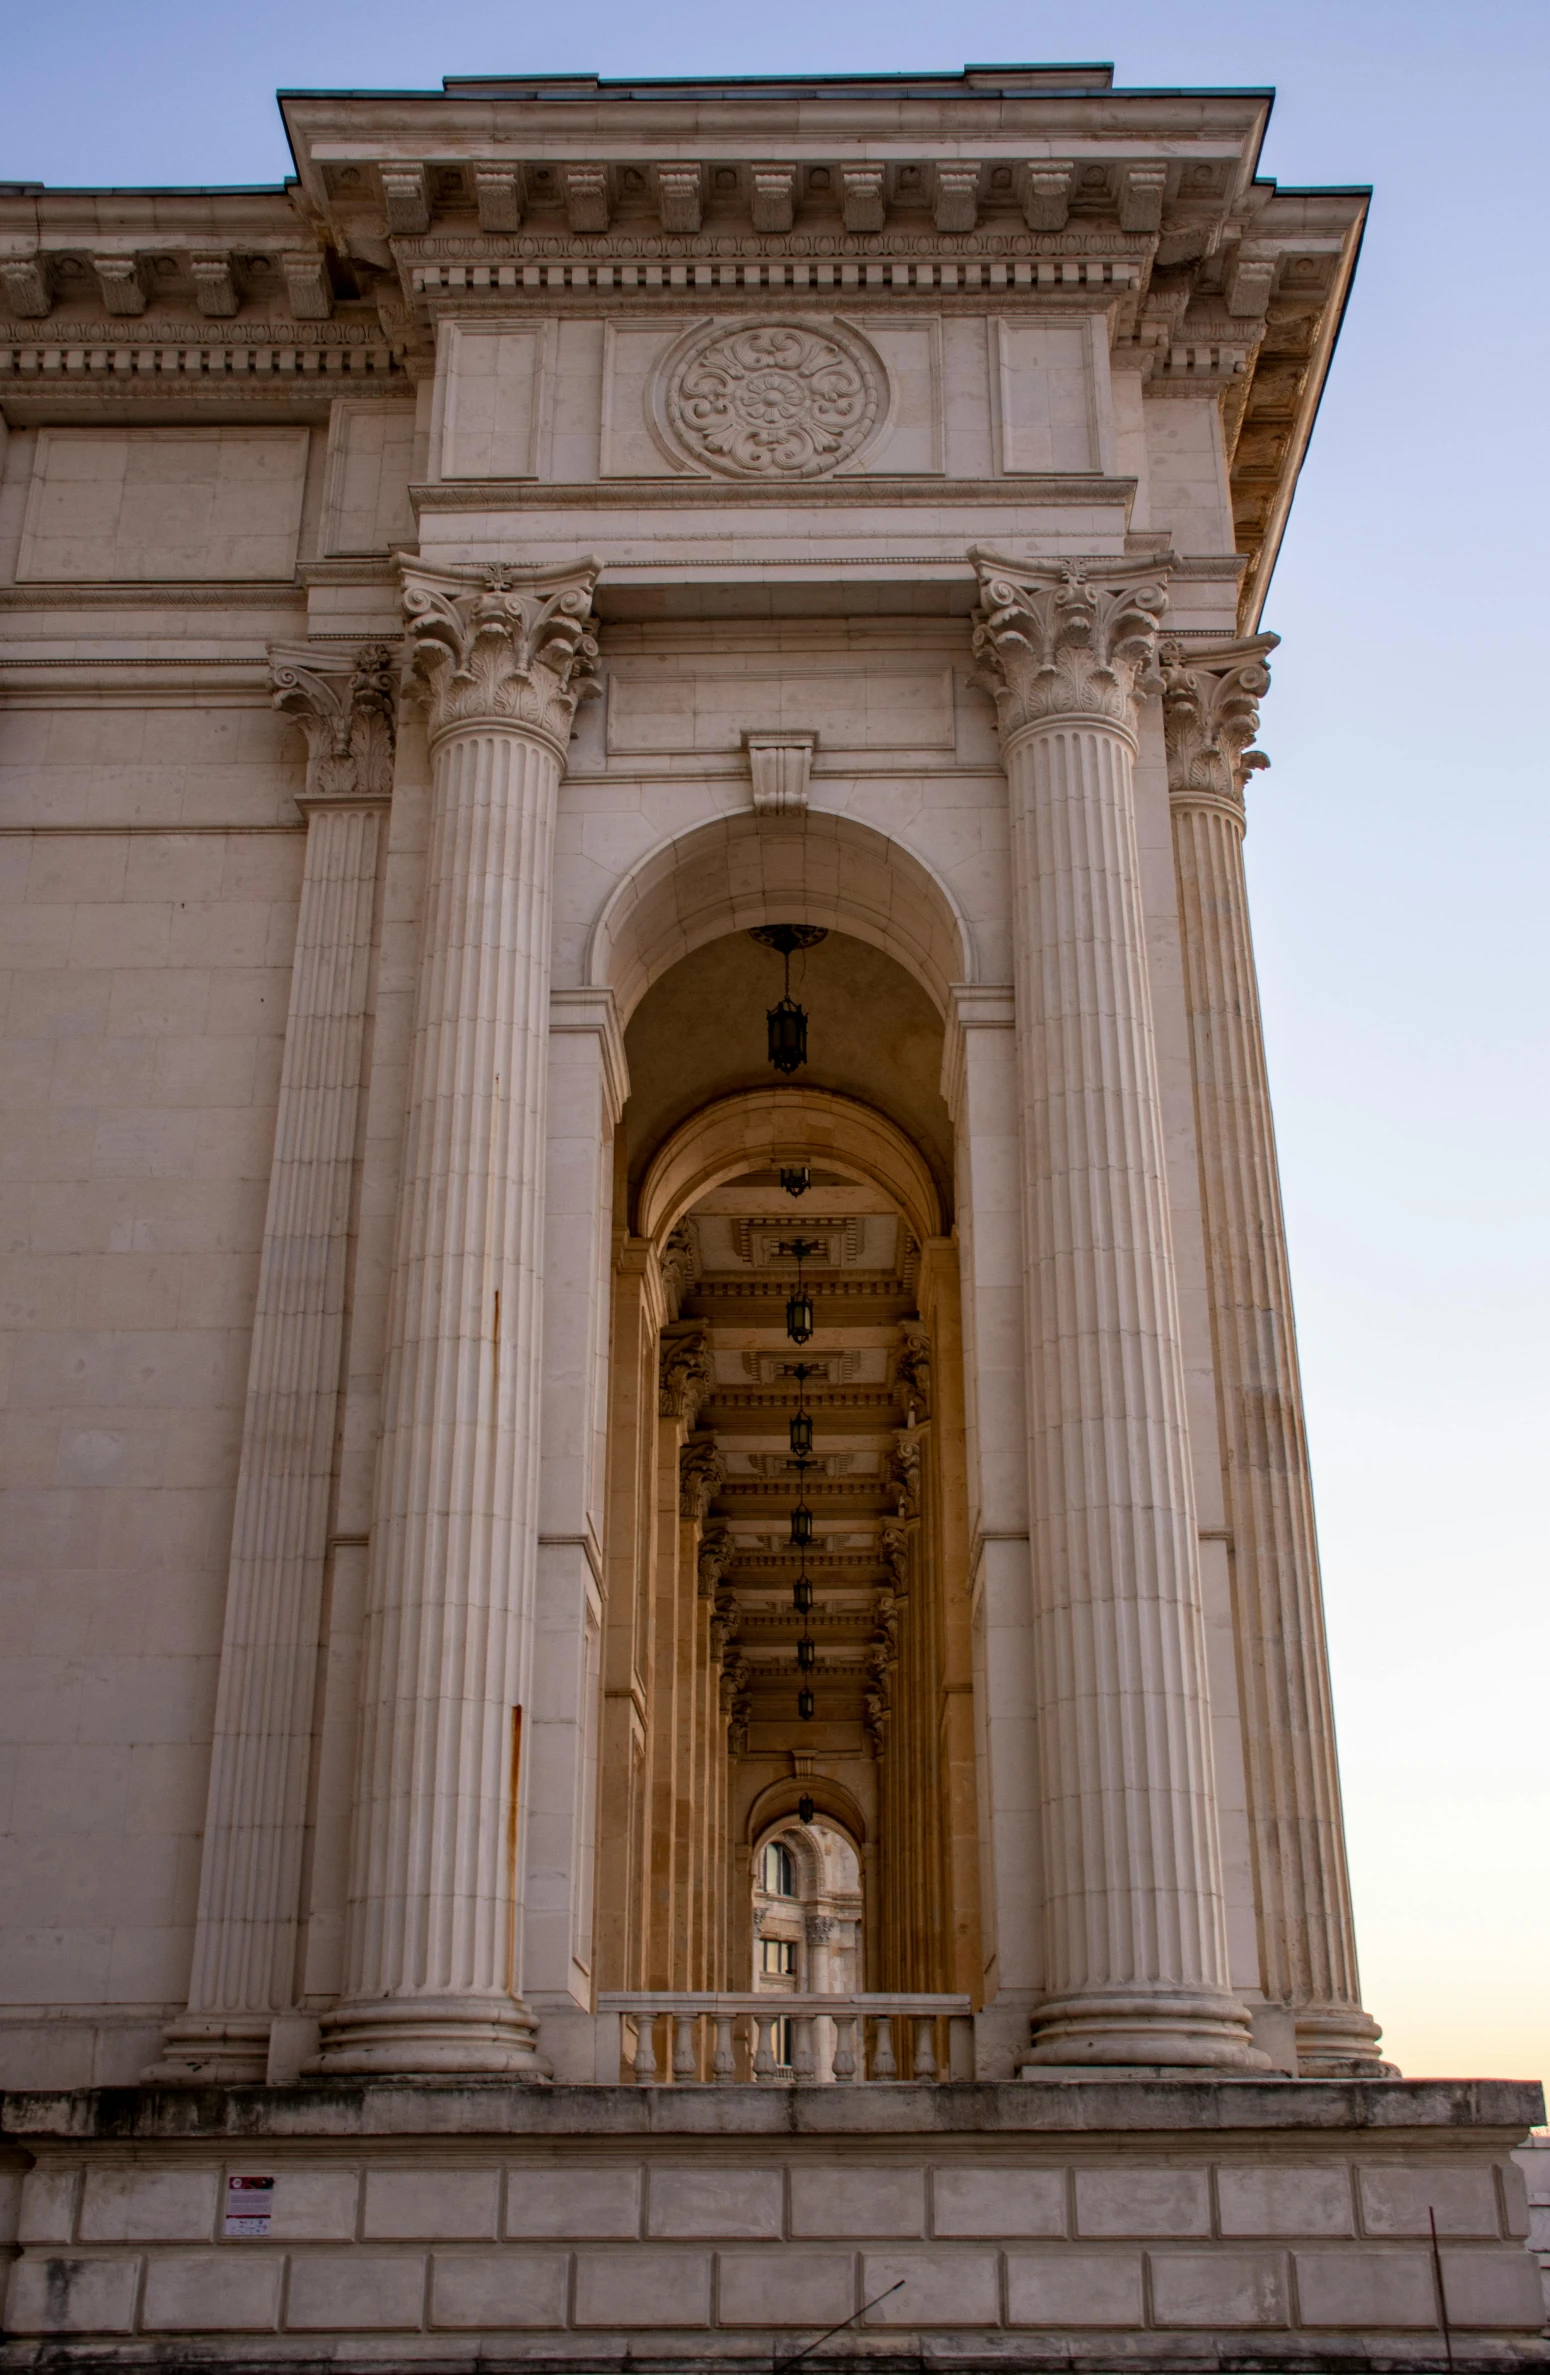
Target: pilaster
[{"x": 247, "y": 1931}]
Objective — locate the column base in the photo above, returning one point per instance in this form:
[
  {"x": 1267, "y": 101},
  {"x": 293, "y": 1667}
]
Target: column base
[
  {"x": 1171, "y": 2028},
  {"x": 408, "y": 2036},
  {"x": 208, "y": 2049},
  {"x": 1339, "y": 2041}
]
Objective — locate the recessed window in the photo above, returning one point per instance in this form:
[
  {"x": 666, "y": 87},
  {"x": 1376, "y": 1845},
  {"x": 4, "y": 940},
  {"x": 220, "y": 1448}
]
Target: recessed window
[
  {"x": 778, "y": 1957},
  {"x": 779, "y": 1874}
]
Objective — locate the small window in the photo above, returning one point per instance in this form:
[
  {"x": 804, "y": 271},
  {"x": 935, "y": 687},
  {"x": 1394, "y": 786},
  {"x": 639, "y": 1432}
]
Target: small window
[
  {"x": 778, "y": 1957},
  {"x": 779, "y": 1877}
]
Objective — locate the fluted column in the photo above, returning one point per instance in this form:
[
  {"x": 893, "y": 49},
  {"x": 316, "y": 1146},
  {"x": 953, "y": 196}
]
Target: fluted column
[
  {"x": 432, "y": 1945},
  {"x": 1301, "y": 1885},
  {"x": 246, "y": 1933},
  {"x": 1136, "y": 1966}
]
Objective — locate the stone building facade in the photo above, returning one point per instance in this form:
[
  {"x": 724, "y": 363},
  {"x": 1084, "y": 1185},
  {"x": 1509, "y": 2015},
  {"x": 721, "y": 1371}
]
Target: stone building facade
[{"x": 667, "y": 1687}]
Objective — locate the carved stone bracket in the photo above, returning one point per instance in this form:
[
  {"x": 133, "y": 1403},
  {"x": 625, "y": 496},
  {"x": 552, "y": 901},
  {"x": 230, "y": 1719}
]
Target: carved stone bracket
[
  {"x": 677, "y": 1265},
  {"x": 701, "y": 1474},
  {"x": 685, "y": 1377},
  {"x": 503, "y": 646},
  {"x": 1066, "y": 639},
  {"x": 781, "y": 766},
  {"x": 736, "y": 1703},
  {"x": 904, "y": 1475},
  {"x": 343, "y": 702},
  {"x": 912, "y": 1369},
  {"x": 1211, "y": 696},
  {"x": 715, "y": 1556},
  {"x": 724, "y": 1621},
  {"x": 894, "y": 1542}
]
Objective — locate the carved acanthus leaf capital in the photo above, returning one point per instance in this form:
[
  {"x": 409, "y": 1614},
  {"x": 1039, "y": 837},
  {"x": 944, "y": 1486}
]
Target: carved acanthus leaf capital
[
  {"x": 503, "y": 646},
  {"x": 343, "y": 702},
  {"x": 685, "y": 1377},
  {"x": 1066, "y": 639},
  {"x": 701, "y": 1474},
  {"x": 1211, "y": 698},
  {"x": 715, "y": 1556}
]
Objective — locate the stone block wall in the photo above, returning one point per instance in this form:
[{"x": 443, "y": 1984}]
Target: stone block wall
[{"x": 713, "y": 2228}]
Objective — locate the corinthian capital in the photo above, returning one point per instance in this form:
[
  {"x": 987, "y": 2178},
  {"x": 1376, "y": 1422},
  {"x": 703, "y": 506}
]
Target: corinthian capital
[
  {"x": 343, "y": 703},
  {"x": 1211, "y": 698},
  {"x": 502, "y": 646},
  {"x": 1059, "y": 639}
]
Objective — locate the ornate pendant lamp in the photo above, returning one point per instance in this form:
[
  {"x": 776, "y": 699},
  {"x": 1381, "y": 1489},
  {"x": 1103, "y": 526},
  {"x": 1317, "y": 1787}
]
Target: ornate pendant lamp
[
  {"x": 795, "y": 1178},
  {"x": 806, "y": 1809},
  {"x": 801, "y": 1526},
  {"x": 799, "y": 1305},
  {"x": 801, "y": 1424},
  {"x": 807, "y": 1654},
  {"x": 805, "y": 1704},
  {"x": 787, "y": 1021},
  {"x": 802, "y": 1595}
]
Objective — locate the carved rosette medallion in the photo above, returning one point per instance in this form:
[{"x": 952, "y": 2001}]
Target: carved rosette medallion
[{"x": 773, "y": 400}]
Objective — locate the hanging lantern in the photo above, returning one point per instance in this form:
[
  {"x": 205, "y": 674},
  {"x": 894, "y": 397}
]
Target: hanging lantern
[
  {"x": 801, "y": 1526},
  {"x": 807, "y": 1654},
  {"x": 795, "y": 1178},
  {"x": 802, "y": 1595},
  {"x": 801, "y": 1435},
  {"x": 786, "y": 1020},
  {"x": 806, "y": 1809},
  {"x": 799, "y": 1305},
  {"x": 805, "y": 1705},
  {"x": 786, "y": 1024}
]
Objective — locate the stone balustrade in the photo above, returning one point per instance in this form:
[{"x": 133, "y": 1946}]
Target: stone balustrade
[{"x": 769, "y": 2039}]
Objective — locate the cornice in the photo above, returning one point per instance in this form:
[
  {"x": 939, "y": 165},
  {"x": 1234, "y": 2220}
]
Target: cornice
[
  {"x": 151, "y": 594},
  {"x": 840, "y": 493}
]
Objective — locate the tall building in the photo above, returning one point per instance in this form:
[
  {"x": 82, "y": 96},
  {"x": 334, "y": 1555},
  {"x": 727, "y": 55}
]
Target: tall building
[{"x": 663, "y": 1631}]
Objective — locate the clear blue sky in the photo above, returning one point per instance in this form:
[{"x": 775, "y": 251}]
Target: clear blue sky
[{"x": 1398, "y": 848}]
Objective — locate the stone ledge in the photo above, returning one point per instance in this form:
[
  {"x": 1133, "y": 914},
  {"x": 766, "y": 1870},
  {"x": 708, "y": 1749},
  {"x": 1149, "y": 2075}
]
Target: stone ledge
[{"x": 1486, "y": 2109}]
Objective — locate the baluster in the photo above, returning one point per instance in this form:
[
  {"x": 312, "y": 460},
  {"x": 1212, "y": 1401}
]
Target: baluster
[
  {"x": 883, "y": 2063},
  {"x": 724, "y": 2067},
  {"x": 764, "y": 2050},
  {"x": 925, "y": 2045},
  {"x": 844, "y": 2045},
  {"x": 803, "y": 2061},
  {"x": 645, "y": 2048},
  {"x": 685, "y": 2066}
]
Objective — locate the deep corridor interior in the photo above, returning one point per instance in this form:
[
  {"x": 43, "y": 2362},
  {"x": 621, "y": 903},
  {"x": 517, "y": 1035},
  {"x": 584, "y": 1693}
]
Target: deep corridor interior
[{"x": 749, "y": 1676}]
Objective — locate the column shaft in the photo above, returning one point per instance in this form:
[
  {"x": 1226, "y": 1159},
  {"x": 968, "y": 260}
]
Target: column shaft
[
  {"x": 247, "y": 1928},
  {"x": 1135, "y": 1937},
  {"x": 454, "y": 1534},
  {"x": 1302, "y": 1888},
  {"x": 433, "y": 1946}
]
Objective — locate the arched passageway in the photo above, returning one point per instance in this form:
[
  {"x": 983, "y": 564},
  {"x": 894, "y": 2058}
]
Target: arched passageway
[{"x": 750, "y": 1672}]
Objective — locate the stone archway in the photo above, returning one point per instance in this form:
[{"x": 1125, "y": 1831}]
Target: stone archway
[{"x": 745, "y": 869}]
